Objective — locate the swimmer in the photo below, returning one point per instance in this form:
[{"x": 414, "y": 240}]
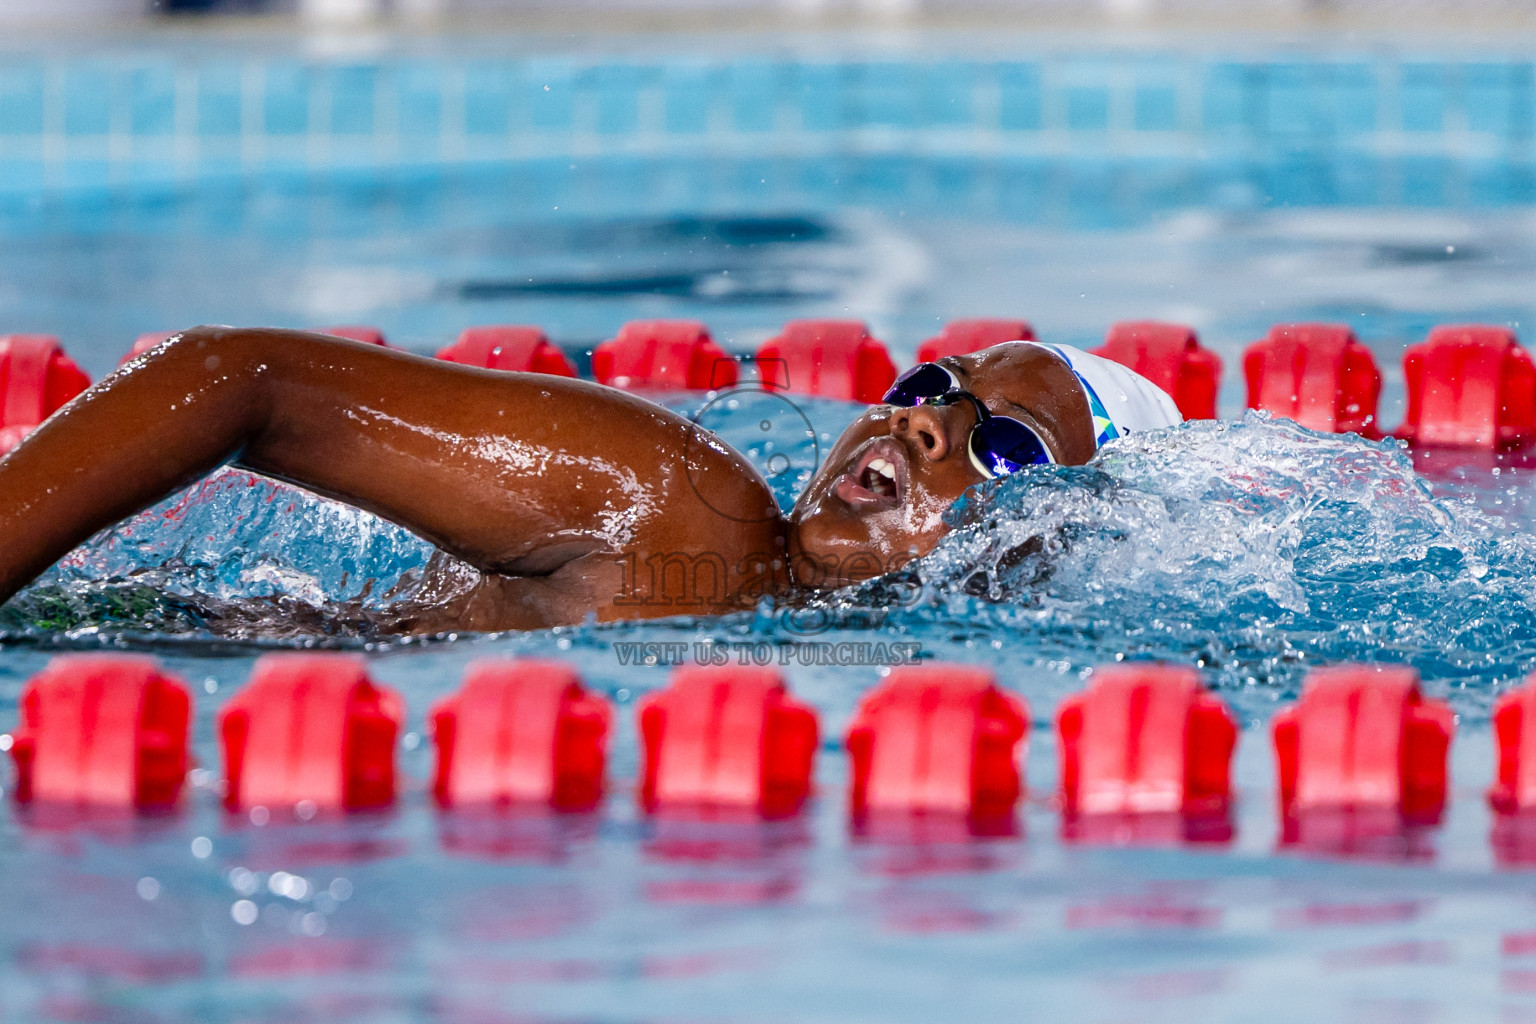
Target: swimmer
[{"x": 564, "y": 498}]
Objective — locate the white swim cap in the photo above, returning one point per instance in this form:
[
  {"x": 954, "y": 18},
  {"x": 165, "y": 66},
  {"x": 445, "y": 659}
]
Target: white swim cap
[{"x": 1121, "y": 399}]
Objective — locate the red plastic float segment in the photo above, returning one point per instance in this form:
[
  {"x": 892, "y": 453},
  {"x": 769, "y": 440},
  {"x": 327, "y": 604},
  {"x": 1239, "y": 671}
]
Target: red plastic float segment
[
  {"x": 830, "y": 358},
  {"x": 1470, "y": 386},
  {"x": 727, "y": 737},
  {"x": 144, "y": 342},
  {"x": 1170, "y": 356},
  {"x": 1363, "y": 736},
  {"x": 962, "y": 337},
  {"x": 1514, "y": 787},
  {"x": 504, "y": 347},
  {"x": 663, "y": 355},
  {"x": 36, "y": 379},
  {"x": 521, "y": 732},
  {"x": 1316, "y": 374},
  {"x": 310, "y": 727},
  {"x": 103, "y": 730},
  {"x": 355, "y": 332},
  {"x": 1145, "y": 739},
  {"x": 937, "y": 738}
]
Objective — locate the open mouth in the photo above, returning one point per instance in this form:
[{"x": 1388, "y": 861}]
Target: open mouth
[{"x": 877, "y": 478}]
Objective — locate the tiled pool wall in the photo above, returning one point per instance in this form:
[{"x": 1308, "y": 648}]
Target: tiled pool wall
[{"x": 1360, "y": 129}]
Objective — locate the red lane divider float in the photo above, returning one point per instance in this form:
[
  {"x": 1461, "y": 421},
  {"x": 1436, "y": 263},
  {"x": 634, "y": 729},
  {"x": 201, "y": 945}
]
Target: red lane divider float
[
  {"x": 962, "y": 337},
  {"x": 830, "y": 358},
  {"x": 1469, "y": 386},
  {"x": 521, "y": 732},
  {"x": 505, "y": 347},
  {"x": 36, "y": 378},
  {"x": 354, "y": 332},
  {"x": 937, "y": 738},
  {"x": 1145, "y": 739},
  {"x": 1363, "y": 737},
  {"x": 1514, "y": 730},
  {"x": 104, "y": 731},
  {"x": 1513, "y": 793},
  {"x": 1316, "y": 374},
  {"x": 1170, "y": 356},
  {"x": 310, "y": 728},
  {"x": 727, "y": 737},
  {"x": 675, "y": 355}
]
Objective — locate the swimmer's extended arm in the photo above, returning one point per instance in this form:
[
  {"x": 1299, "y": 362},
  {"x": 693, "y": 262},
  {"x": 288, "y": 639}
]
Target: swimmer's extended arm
[{"x": 550, "y": 486}]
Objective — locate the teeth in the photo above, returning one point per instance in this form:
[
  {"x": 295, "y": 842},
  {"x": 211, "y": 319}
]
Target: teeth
[{"x": 884, "y": 468}]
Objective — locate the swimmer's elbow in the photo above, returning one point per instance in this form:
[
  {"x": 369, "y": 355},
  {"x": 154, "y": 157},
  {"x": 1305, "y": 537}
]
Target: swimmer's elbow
[{"x": 209, "y": 350}]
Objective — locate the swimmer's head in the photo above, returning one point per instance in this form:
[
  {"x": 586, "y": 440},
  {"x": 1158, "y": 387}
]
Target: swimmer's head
[{"x": 879, "y": 498}]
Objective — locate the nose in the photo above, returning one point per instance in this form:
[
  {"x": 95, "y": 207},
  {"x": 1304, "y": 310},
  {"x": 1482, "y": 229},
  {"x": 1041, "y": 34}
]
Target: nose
[{"x": 934, "y": 430}]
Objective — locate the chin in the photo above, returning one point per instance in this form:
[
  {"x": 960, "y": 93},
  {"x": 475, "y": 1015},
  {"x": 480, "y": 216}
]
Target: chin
[{"x": 824, "y": 562}]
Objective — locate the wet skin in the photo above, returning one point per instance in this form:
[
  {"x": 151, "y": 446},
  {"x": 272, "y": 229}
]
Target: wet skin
[
  {"x": 850, "y": 525},
  {"x": 562, "y": 499}
]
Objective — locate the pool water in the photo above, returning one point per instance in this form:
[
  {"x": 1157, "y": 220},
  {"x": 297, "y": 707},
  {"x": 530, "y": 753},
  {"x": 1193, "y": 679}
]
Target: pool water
[{"x": 1251, "y": 549}]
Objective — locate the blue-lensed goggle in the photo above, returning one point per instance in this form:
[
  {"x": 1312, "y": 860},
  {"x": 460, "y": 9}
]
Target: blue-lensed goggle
[{"x": 998, "y": 445}]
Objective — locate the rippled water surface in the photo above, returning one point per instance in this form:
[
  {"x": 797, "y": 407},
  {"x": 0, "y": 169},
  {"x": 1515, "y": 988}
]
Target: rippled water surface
[{"x": 1249, "y": 548}]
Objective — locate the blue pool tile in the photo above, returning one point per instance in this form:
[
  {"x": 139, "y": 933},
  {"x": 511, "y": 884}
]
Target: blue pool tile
[
  {"x": 1425, "y": 181},
  {"x": 1087, "y": 108},
  {"x": 89, "y": 95},
  {"x": 551, "y": 90},
  {"x": 1497, "y": 183},
  {"x": 887, "y": 95},
  {"x": 688, "y": 93},
  {"x": 1354, "y": 98},
  {"x": 85, "y": 174},
  {"x": 947, "y": 94},
  {"x": 755, "y": 92},
  {"x": 1422, "y": 94},
  {"x": 1289, "y": 94},
  {"x": 354, "y": 91},
  {"x": 488, "y": 98},
  {"x": 26, "y": 177},
  {"x": 419, "y": 90},
  {"x": 1159, "y": 183},
  {"x": 218, "y": 99},
  {"x": 21, "y": 100},
  {"x": 1494, "y": 96},
  {"x": 1156, "y": 108},
  {"x": 615, "y": 90},
  {"x": 1018, "y": 87},
  {"x": 819, "y": 94},
  {"x": 955, "y": 184},
  {"x": 285, "y": 106},
  {"x": 151, "y": 100},
  {"x": 1299, "y": 179},
  {"x": 1092, "y": 191},
  {"x": 1357, "y": 179},
  {"x": 882, "y": 181},
  {"x": 148, "y": 172},
  {"x": 1022, "y": 190},
  {"x": 1229, "y": 98}
]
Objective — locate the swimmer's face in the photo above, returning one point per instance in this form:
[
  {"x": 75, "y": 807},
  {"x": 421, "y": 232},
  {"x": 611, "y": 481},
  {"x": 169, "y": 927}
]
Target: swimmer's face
[{"x": 854, "y": 521}]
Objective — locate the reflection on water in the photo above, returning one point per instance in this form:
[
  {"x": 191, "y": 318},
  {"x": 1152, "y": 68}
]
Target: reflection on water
[{"x": 1253, "y": 550}]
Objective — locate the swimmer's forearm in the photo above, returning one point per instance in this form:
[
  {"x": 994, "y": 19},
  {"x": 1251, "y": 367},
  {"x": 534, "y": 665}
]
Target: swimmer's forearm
[
  {"x": 516, "y": 474},
  {"x": 119, "y": 448},
  {"x": 312, "y": 410}
]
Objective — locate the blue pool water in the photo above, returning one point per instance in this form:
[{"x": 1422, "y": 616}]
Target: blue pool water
[{"x": 153, "y": 185}]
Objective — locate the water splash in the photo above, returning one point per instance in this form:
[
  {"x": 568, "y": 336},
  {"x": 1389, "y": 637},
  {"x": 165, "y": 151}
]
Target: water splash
[
  {"x": 236, "y": 556},
  {"x": 1252, "y": 548}
]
